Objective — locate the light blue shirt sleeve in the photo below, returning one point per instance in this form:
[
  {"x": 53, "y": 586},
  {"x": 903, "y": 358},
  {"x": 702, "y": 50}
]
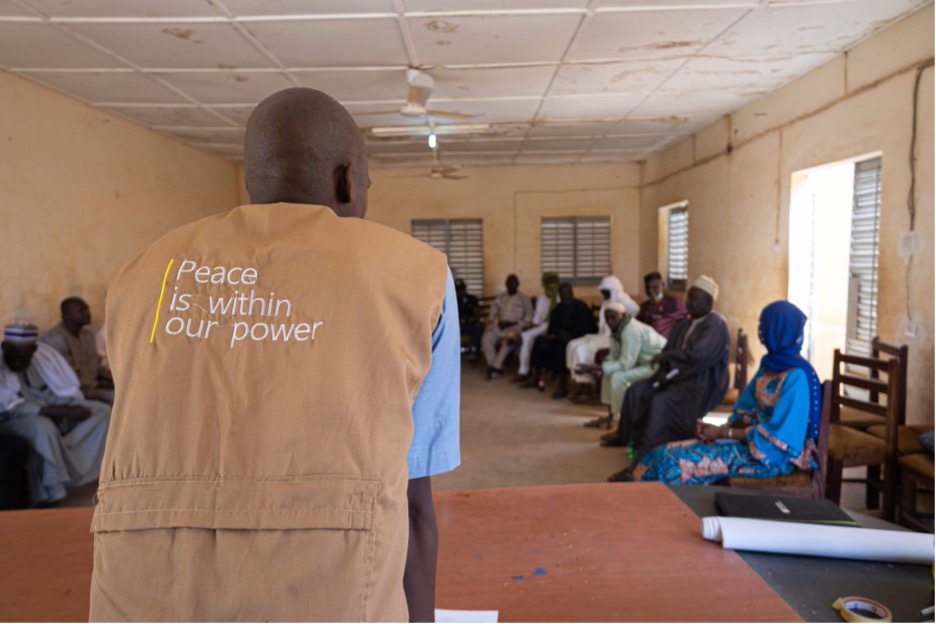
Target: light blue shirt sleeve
[{"x": 436, "y": 447}]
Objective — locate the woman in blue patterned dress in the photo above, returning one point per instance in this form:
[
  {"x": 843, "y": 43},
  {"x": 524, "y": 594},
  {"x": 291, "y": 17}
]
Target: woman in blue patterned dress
[{"x": 775, "y": 424}]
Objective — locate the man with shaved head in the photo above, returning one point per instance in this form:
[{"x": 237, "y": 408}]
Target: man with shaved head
[{"x": 287, "y": 384}]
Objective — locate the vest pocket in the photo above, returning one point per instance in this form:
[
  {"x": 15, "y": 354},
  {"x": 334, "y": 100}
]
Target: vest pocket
[{"x": 304, "y": 502}]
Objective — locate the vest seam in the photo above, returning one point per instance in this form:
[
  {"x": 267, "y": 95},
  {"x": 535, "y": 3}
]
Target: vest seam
[{"x": 220, "y": 480}]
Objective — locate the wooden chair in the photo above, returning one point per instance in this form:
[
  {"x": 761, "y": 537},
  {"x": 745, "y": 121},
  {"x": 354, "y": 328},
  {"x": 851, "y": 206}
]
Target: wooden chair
[
  {"x": 742, "y": 355},
  {"x": 849, "y": 447},
  {"x": 916, "y": 473},
  {"x": 804, "y": 484},
  {"x": 864, "y": 420}
]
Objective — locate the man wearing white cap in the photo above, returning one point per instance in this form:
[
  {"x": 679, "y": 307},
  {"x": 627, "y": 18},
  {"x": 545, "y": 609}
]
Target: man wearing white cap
[
  {"x": 634, "y": 347},
  {"x": 691, "y": 379},
  {"x": 41, "y": 402}
]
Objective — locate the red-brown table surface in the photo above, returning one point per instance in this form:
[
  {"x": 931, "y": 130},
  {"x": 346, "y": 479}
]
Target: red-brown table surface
[{"x": 603, "y": 552}]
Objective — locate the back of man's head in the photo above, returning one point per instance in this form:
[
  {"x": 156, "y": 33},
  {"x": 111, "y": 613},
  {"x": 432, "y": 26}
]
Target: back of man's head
[{"x": 303, "y": 147}]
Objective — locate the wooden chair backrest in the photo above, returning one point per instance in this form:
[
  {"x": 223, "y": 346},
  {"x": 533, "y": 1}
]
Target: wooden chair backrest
[
  {"x": 741, "y": 361},
  {"x": 901, "y": 354},
  {"x": 875, "y": 387},
  {"x": 822, "y": 445}
]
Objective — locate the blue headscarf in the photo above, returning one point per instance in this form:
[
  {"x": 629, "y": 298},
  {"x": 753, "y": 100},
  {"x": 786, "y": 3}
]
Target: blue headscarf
[{"x": 781, "y": 331}]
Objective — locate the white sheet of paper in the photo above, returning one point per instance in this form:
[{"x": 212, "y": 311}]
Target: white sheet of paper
[{"x": 457, "y": 617}]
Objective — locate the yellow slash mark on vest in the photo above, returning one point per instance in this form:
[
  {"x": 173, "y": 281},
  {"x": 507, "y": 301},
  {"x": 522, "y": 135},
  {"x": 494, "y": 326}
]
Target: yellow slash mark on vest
[{"x": 162, "y": 293}]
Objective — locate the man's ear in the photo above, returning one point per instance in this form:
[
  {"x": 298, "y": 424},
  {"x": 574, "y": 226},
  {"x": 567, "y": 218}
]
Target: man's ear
[{"x": 342, "y": 182}]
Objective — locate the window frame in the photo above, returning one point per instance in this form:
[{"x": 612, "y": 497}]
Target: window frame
[
  {"x": 583, "y": 254},
  {"x": 452, "y": 231}
]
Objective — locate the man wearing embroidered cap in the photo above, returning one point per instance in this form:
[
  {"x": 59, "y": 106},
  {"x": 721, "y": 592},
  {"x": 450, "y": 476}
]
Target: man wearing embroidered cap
[
  {"x": 691, "y": 379},
  {"x": 40, "y": 401}
]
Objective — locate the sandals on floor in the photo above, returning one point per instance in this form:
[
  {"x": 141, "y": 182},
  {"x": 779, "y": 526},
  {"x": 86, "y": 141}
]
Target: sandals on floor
[{"x": 598, "y": 423}]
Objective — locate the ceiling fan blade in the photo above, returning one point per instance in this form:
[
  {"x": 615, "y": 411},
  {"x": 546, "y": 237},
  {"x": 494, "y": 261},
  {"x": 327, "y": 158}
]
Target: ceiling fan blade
[
  {"x": 395, "y": 111},
  {"x": 451, "y": 114}
]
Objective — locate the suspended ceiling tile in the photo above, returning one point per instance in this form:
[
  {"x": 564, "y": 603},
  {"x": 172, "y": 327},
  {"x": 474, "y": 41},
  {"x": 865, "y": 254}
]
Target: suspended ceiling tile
[
  {"x": 566, "y": 158},
  {"x": 237, "y": 114},
  {"x": 491, "y": 81},
  {"x": 125, "y": 8},
  {"x": 35, "y": 44},
  {"x": 167, "y": 115},
  {"x": 659, "y": 125},
  {"x": 430, "y": 6},
  {"x": 590, "y": 107},
  {"x": 477, "y": 145},
  {"x": 502, "y": 39},
  {"x": 584, "y": 128},
  {"x": 742, "y": 76},
  {"x": 693, "y": 103},
  {"x": 229, "y": 87},
  {"x": 333, "y": 43},
  {"x": 383, "y": 113},
  {"x": 130, "y": 88},
  {"x": 205, "y": 135},
  {"x": 629, "y": 77},
  {"x": 398, "y": 147},
  {"x": 175, "y": 44},
  {"x": 638, "y": 142},
  {"x": 652, "y": 5},
  {"x": 499, "y": 110},
  {"x": 389, "y": 84},
  {"x": 651, "y": 34},
  {"x": 304, "y": 7},
  {"x": 557, "y": 144},
  {"x": 808, "y": 28},
  {"x": 11, "y": 8}
]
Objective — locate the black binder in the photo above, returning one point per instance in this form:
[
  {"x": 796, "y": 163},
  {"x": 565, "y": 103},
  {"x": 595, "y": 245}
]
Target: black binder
[{"x": 791, "y": 509}]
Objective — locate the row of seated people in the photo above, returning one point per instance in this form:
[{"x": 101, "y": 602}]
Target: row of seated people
[
  {"x": 662, "y": 387},
  {"x": 55, "y": 404}
]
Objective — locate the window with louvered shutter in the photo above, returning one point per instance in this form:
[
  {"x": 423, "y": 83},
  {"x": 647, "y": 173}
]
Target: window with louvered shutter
[
  {"x": 577, "y": 248},
  {"x": 677, "y": 247},
  {"x": 863, "y": 258},
  {"x": 462, "y": 242}
]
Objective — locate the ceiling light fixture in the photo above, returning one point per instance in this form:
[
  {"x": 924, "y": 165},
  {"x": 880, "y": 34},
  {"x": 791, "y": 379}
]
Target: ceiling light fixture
[{"x": 468, "y": 128}]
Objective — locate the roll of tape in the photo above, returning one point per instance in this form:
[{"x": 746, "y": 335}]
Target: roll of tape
[{"x": 855, "y": 609}]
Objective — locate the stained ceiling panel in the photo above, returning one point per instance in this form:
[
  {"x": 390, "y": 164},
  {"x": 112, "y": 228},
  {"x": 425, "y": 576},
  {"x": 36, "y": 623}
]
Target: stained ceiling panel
[
  {"x": 305, "y": 7},
  {"x": 517, "y": 82},
  {"x": 501, "y": 39},
  {"x": 125, "y": 8},
  {"x": 174, "y": 44},
  {"x": 229, "y": 87},
  {"x": 328, "y": 43},
  {"x": 40, "y": 45},
  {"x": 651, "y": 34},
  {"x": 97, "y": 87},
  {"x": 632, "y": 77}
]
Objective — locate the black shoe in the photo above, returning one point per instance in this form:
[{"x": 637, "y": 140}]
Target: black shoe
[
  {"x": 494, "y": 373},
  {"x": 622, "y": 476}
]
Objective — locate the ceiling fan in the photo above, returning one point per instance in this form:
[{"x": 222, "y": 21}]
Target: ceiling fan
[
  {"x": 417, "y": 100},
  {"x": 438, "y": 171}
]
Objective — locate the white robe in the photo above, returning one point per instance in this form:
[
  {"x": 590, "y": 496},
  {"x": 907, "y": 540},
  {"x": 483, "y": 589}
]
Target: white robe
[
  {"x": 57, "y": 461},
  {"x": 582, "y": 350}
]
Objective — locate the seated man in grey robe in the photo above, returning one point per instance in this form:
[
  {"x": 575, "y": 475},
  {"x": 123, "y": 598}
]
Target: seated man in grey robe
[
  {"x": 77, "y": 343},
  {"x": 691, "y": 379},
  {"x": 40, "y": 401}
]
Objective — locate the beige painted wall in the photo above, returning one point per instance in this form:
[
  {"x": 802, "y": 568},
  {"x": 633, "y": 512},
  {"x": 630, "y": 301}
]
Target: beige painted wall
[
  {"x": 859, "y": 103},
  {"x": 81, "y": 191},
  {"x": 511, "y": 202}
]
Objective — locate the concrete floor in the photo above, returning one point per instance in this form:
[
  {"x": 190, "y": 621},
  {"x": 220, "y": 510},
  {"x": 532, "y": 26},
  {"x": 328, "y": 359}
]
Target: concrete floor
[{"x": 512, "y": 437}]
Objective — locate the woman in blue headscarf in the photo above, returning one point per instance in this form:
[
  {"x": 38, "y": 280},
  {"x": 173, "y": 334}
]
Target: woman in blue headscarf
[{"x": 775, "y": 424}]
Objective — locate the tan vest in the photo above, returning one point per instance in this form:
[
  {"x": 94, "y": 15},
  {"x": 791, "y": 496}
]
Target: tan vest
[{"x": 255, "y": 467}]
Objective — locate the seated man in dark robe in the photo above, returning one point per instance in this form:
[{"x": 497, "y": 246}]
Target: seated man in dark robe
[
  {"x": 471, "y": 325},
  {"x": 660, "y": 311},
  {"x": 691, "y": 379},
  {"x": 571, "y": 318}
]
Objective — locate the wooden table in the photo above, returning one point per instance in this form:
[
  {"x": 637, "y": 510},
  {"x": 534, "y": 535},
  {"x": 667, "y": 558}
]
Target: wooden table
[{"x": 602, "y": 552}]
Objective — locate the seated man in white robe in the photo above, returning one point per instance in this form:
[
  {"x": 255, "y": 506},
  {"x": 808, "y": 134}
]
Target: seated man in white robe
[
  {"x": 581, "y": 351},
  {"x": 40, "y": 401},
  {"x": 545, "y": 304}
]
